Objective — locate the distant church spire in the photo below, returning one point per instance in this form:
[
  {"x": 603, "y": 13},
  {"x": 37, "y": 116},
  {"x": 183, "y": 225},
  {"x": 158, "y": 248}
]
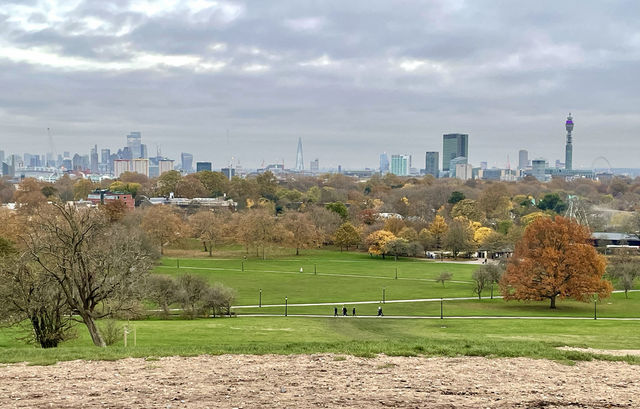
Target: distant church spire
[{"x": 299, "y": 157}]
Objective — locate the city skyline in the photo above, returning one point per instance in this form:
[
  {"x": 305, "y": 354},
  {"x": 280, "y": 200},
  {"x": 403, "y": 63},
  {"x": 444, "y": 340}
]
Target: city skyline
[
  {"x": 455, "y": 147},
  {"x": 362, "y": 76}
]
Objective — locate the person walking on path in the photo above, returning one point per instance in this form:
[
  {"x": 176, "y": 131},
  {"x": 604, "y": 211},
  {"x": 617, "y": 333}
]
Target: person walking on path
[
  {"x": 344, "y": 311},
  {"x": 335, "y": 311},
  {"x": 380, "y": 314},
  {"x": 354, "y": 311}
]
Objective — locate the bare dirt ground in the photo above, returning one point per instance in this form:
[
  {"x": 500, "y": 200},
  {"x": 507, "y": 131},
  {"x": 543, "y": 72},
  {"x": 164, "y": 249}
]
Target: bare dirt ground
[{"x": 321, "y": 381}]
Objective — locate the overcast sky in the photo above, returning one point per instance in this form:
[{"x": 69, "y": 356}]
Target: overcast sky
[{"x": 352, "y": 78}]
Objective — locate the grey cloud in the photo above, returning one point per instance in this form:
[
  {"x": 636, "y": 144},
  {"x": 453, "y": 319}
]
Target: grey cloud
[{"x": 506, "y": 72}]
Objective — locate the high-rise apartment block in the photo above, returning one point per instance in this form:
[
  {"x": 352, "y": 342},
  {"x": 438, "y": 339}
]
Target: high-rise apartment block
[
  {"x": 454, "y": 145},
  {"x": 120, "y": 166},
  {"x": 400, "y": 165},
  {"x": 464, "y": 171},
  {"x": 164, "y": 165},
  {"x": 140, "y": 166},
  {"x": 460, "y": 160},
  {"x": 432, "y": 164}
]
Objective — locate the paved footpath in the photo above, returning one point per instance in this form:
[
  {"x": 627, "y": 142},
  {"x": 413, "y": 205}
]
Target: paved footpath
[
  {"x": 434, "y": 317},
  {"x": 320, "y": 304}
]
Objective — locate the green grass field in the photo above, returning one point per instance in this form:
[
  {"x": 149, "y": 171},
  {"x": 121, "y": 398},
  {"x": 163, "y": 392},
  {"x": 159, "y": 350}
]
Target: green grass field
[
  {"x": 343, "y": 277},
  {"x": 363, "y": 337},
  {"x": 340, "y": 277}
]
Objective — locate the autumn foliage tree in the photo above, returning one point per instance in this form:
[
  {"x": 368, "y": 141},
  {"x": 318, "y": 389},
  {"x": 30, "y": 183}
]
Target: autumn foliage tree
[
  {"x": 300, "y": 231},
  {"x": 162, "y": 225},
  {"x": 347, "y": 235},
  {"x": 210, "y": 228},
  {"x": 555, "y": 259},
  {"x": 378, "y": 240}
]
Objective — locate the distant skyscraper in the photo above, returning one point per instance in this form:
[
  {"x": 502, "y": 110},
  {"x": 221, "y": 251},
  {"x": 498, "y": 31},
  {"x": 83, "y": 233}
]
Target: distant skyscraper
[
  {"x": 568, "y": 153},
  {"x": 50, "y": 156},
  {"x": 144, "y": 153},
  {"x": 432, "y": 164},
  {"x": 200, "y": 166},
  {"x": 523, "y": 159},
  {"x": 299, "y": 157},
  {"x": 1, "y": 156},
  {"x": 454, "y": 145},
  {"x": 94, "y": 159},
  {"x": 483, "y": 165},
  {"x": 384, "y": 163},
  {"x": 400, "y": 165},
  {"x": 76, "y": 162},
  {"x": 187, "y": 162},
  {"x": 538, "y": 166},
  {"x": 105, "y": 156},
  {"x": 134, "y": 140},
  {"x": 314, "y": 165}
]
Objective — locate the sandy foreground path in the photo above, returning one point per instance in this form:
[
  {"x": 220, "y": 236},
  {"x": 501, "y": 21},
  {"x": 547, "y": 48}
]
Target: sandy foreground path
[{"x": 321, "y": 381}]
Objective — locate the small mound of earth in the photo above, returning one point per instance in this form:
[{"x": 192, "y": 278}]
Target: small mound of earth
[
  {"x": 614, "y": 352},
  {"x": 320, "y": 381}
]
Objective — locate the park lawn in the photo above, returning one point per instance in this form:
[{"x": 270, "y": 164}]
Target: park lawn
[
  {"x": 328, "y": 276},
  {"x": 363, "y": 337}
]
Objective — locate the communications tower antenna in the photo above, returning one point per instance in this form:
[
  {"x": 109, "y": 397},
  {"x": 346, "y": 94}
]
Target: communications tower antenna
[{"x": 568, "y": 152}]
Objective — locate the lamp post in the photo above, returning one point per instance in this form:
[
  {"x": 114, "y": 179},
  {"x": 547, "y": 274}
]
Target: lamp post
[
  {"x": 383, "y": 295},
  {"x": 441, "y": 308},
  {"x": 396, "y": 273},
  {"x": 286, "y": 303},
  {"x": 595, "y": 306},
  {"x": 260, "y": 299}
]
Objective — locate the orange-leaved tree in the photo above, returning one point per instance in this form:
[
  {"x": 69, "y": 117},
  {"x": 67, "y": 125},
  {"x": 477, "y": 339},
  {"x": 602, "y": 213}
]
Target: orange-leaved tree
[{"x": 555, "y": 259}]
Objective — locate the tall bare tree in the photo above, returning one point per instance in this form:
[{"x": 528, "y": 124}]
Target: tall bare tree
[{"x": 96, "y": 264}]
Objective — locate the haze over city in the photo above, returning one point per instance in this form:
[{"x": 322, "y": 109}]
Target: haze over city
[{"x": 352, "y": 79}]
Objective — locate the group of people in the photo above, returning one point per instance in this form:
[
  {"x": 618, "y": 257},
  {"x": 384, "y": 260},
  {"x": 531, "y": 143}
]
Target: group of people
[
  {"x": 344, "y": 311},
  {"x": 353, "y": 312}
]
